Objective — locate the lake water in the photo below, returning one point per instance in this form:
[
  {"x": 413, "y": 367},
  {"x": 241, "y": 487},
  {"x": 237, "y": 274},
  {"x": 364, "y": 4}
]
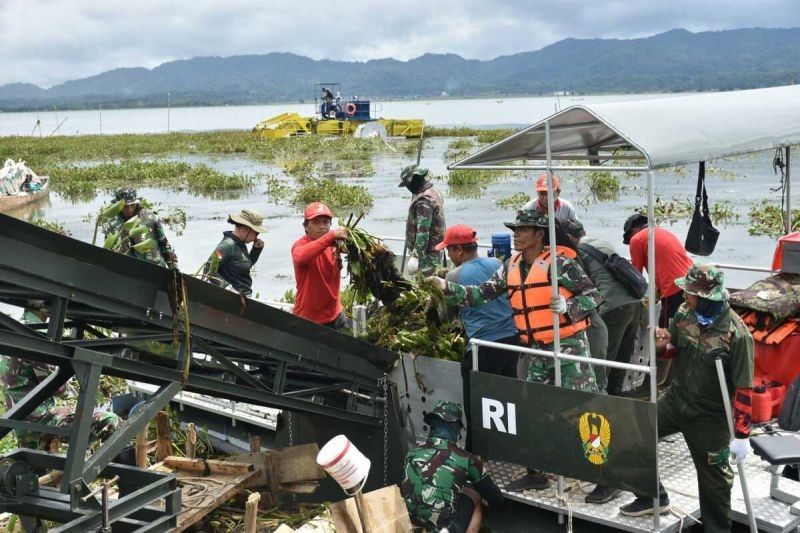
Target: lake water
[
  {"x": 445, "y": 112},
  {"x": 742, "y": 181}
]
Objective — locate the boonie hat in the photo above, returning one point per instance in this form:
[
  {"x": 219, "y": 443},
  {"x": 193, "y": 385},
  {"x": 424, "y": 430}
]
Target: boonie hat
[
  {"x": 447, "y": 411},
  {"x": 705, "y": 281},
  {"x": 317, "y": 209},
  {"x": 634, "y": 221},
  {"x": 251, "y": 219},
  {"x": 541, "y": 183},
  {"x": 530, "y": 218},
  {"x": 409, "y": 172},
  {"x": 458, "y": 235},
  {"x": 128, "y": 194}
]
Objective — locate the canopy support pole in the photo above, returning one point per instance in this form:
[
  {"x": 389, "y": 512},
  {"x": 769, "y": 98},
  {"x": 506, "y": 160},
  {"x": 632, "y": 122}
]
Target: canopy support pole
[
  {"x": 651, "y": 321},
  {"x": 551, "y": 228},
  {"x": 788, "y": 182}
]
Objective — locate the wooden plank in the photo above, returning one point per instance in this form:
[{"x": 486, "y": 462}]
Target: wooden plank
[
  {"x": 191, "y": 440},
  {"x": 163, "y": 436},
  {"x": 141, "y": 448},
  {"x": 263, "y": 462},
  {"x": 298, "y": 463},
  {"x": 255, "y": 443},
  {"x": 201, "y": 495},
  {"x": 384, "y": 512},
  {"x": 214, "y": 466}
]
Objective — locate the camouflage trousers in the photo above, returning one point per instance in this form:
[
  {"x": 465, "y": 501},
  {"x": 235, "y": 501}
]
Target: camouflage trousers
[
  {"x": 578, "y": 376},
  {"x": 428, "y": 263},
  {"x": 104, "y": 423}
]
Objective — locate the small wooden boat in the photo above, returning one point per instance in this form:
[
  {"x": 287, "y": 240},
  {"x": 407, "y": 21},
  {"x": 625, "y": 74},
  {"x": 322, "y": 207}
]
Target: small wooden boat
[{"x": 13, "y": 201}]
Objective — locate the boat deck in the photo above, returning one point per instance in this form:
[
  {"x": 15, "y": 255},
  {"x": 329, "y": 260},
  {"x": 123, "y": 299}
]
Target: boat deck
[{"x": 679, "y": 478}]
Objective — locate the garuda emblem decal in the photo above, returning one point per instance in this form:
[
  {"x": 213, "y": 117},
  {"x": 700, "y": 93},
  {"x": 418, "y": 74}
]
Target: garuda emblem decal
[{"x": 595, "y": 431}]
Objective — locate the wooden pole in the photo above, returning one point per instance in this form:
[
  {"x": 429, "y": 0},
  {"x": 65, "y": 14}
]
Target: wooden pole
[
  {"x": 191, "y": 441},
  {"x": 362, "y": 517},
  {"x": 141, "y": 448},
  {"x": 255, "y": 444},
  {"x": 163, "y": 436},
  {"x": 251, "y": 512}
]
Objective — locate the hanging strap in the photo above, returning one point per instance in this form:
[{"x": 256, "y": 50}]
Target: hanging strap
[
  {"x": 594, "y": 252},
  {"x": 701, "y": 195}
]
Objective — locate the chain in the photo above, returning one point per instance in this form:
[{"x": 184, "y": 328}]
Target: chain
[
  {"x": 291, "y": 432},
  {"x": 384, "y": 386},
  {"x": 291, "y": 443}
]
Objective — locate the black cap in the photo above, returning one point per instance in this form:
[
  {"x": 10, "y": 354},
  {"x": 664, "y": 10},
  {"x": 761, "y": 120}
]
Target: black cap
[{"x": 634, "y": 221}]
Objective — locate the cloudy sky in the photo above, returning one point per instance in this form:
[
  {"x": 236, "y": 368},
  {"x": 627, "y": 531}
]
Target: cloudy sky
[{"x": 49, "y": 41}]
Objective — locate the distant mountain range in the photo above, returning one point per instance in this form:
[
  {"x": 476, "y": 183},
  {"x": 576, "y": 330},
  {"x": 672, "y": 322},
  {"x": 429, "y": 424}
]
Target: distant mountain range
[{"x": 677, "y": 60}]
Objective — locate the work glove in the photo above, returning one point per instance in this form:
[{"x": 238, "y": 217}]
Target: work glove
[
  {"x": 438, "y": 282},
  {"x": 739, "y": 449},
  {"x": 558, "y": 304},
  {"x": 412, "y": 265}
]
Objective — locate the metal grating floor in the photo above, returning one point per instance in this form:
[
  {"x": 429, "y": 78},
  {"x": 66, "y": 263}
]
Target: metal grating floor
[{"x": 679, "y": 478}]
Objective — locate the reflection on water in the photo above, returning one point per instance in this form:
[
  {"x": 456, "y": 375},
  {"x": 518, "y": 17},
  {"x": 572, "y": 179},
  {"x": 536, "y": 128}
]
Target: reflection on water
[
  {"x": 35, "y": 209},
  {"x": 742, "y": 181}
]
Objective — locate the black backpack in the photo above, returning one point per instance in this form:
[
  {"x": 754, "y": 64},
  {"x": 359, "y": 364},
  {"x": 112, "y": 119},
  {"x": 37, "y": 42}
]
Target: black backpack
[{"x": 621, "y": 269}]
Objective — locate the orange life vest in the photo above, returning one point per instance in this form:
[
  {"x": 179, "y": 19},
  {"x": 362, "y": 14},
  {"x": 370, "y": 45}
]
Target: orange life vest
[{"x": 531, "y": 302}]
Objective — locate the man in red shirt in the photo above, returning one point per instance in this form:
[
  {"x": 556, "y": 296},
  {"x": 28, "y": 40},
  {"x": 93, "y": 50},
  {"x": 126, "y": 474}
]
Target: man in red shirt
[
  {"x": 672, "y": 262},
  {"x": 317, "y": 269}
]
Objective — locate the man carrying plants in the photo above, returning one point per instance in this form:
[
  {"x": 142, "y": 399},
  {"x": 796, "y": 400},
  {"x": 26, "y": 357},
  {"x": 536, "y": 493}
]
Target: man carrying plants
[
  {"x": 318, "y": 267},
  {"x": 134, "y": 231}
]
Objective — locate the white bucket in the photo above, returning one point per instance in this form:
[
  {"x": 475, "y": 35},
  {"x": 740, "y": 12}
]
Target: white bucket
[{"x": 345, "y": 463}]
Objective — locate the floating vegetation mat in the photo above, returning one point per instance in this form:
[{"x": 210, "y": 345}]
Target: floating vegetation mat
[
  {"x": 722, "y": 212},
  {"x": 514, "y": 201},
  {"x": 82, "y": 182},
  {"x": 603, "y": 185},
  {"x": 767, "y": 218},
  {"x": 340, "y": 197},
  {"x": 59, "y": 149},
  {"x": 52, "y": 225}
]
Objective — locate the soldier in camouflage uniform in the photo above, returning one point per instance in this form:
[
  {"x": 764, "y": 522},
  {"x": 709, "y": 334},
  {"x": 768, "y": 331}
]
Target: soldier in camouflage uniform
[
  {"x": 705, "y": 328},
  {"x": 444, "y": 484},
  {"x": 137, "y": 233},
  {"x": 19, "y": 377},
  {"x": 231, "y": 263},
  {"x": 531, "y": 240},
  {"x": 425, "y": 225}
]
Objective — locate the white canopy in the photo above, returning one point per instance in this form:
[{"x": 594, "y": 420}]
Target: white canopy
[{"x": 667, "y": 131}]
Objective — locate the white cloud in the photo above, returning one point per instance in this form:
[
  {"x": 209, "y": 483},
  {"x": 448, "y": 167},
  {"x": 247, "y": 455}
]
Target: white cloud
[{"x": 50, "y": 41}]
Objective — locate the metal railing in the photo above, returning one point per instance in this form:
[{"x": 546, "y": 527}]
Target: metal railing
[{"x": 558, "y": 356}]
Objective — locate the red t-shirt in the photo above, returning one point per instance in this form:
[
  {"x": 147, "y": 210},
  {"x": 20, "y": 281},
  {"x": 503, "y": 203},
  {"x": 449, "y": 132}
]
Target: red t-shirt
[
  {"x": 317, "y": 274},
  {"x": 672, "y": 262}
]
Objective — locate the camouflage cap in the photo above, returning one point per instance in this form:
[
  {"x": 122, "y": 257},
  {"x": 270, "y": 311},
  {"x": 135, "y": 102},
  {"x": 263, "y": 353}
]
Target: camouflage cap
[
  {"x": 705, "y": 281},
  {"x": 531, "y": 218},
  {"x": 447, "y": 411},
  {"x": 128, "y": 194},
  {"x": 409, "y": 172}
]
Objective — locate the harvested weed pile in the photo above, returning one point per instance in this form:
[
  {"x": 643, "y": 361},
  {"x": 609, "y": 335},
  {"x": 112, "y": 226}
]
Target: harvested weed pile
[
  {"x": 371, "y": 267},
  {"x": 409, "y": 319},
  {"x": 412, "y": 324}
]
